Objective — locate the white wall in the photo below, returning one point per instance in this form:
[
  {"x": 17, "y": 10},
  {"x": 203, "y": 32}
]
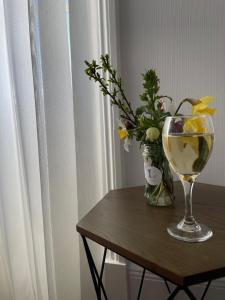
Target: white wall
[{"x": 185, "y": 42}]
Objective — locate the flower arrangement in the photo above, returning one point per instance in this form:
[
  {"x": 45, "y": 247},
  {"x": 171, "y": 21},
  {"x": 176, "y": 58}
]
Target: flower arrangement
[{"x": 145, "y": 123}]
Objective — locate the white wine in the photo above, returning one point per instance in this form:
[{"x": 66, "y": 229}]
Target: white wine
[
  {"x": 188, "y": 143},
  {"x": 188, "y": 153}
]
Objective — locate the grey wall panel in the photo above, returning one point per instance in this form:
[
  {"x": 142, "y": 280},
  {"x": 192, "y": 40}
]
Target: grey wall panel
[{"x": 184, "y": 41}]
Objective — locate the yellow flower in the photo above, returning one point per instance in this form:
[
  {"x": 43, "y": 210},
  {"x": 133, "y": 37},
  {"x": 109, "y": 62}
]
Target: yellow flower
[
  {"x": 194, "y": 142},
  {"x": 194, "y": 124},
  {"x": 122, "y": 133},
  {"x": 200, "y": 106}
]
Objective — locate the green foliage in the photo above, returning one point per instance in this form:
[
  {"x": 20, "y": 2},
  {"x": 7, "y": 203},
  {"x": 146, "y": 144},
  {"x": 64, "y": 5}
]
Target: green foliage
[
  {"x": 150, "y": 114},
  {"x": 151, "y": 83},
  {"x": 110, "y": 85}
]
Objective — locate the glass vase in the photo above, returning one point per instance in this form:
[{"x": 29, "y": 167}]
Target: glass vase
[{"x": 158, "y": 176}]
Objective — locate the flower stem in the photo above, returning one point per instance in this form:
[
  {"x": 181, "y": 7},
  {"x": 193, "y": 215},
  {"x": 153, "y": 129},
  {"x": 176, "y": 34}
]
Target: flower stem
[
  {"x": 181, "y": 103},
  {"x": 179, "y": 106}
]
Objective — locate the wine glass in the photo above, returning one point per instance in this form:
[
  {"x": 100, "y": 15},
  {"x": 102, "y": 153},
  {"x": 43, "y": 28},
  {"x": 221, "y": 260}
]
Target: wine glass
[{"x": 188, "y": 143}]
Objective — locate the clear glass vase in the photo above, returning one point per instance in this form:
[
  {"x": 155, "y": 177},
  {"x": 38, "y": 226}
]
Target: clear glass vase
[{"x": 158, "y": 176}]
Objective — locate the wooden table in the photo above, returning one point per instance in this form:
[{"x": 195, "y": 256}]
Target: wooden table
[{"x": 124, "y": 223}]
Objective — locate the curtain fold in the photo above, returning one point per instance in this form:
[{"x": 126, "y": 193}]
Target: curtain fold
[{"x": 22, "y": 253}]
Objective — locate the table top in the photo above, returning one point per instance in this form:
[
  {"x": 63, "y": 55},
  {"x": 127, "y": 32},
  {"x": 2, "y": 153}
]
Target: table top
[{"x": 124, "y": 223}]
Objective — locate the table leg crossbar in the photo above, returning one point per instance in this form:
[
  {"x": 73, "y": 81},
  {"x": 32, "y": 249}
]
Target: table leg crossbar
[
  {"x": 167, "y": 286},
  {"x": 141, "y": 284},
  {"x": 99, "y": 287},
  {"x": 188, "y": 292},
  {"x": 97, "y": 279},
  {"x": 178, "y": 289}
]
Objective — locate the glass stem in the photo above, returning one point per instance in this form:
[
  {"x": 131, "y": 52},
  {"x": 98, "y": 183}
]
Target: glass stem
[{"x": 188, "y": 186}]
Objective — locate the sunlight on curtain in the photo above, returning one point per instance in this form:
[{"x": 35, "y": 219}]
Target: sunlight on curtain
[{"x": 22, "y": 253}]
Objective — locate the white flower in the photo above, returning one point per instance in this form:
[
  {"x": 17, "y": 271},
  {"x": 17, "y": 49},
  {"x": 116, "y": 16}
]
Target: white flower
[
  {"x": 152, "y": 134},
  {"x": 127, "y": 140},
  {"x": 127, "y": 143}
]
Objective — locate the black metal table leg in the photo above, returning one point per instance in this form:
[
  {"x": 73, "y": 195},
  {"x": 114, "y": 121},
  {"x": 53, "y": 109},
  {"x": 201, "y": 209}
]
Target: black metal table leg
[
  {"x": 91, "y": 268},
  {"x": 102, "y": 269},
  {"x": 174, "y": 293},
  {"x": 205, "y": 290},
  {"x": 99, "y": 287},
  {"x": 189, "y": 293},
  {"x": 178, "y": 289},
  {"x": 97, "y": 280},
  {"x": 167, "y": 285},
  {"x": 141, "y": 284}
]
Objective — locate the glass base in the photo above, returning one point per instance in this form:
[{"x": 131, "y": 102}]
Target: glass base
[{"x": 190, "y": 232}]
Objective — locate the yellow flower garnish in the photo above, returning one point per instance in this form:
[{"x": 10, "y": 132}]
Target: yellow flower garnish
[
  {"x": 194, "y": 124},
  {"x": 194, "y": 142},
  {"x": 122, "y": 133},
  {"x": 201, "y": 106}
]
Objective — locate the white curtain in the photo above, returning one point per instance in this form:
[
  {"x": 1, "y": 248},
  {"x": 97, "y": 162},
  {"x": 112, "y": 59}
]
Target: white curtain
[
  {"x": 23, "y": 272},
  {"x": 40, "y": 163}
]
